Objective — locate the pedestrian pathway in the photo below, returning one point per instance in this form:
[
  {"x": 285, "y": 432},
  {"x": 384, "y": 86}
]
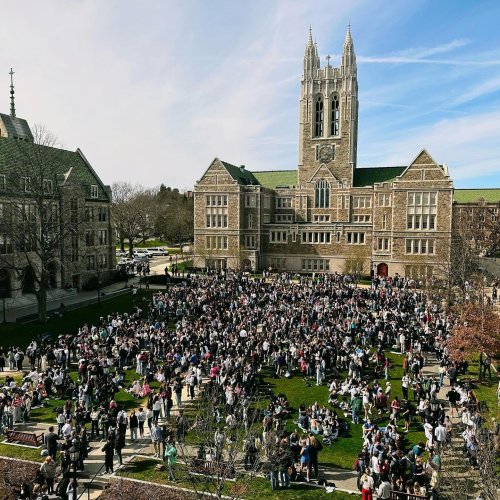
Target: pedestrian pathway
[{"x": 94, "y": 464}]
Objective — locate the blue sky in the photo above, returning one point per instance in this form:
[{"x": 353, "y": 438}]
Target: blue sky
[{"x": 153, "y": 91}]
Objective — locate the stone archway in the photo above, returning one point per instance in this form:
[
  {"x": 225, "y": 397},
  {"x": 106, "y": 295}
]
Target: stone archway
[
  {"x": 382, "y": 270},
  {"x": 5, "y": 284},
  {"x": 28, "y": 280}
]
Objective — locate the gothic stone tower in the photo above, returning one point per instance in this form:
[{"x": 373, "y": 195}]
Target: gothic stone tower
[{"x": 328, "y": 115}]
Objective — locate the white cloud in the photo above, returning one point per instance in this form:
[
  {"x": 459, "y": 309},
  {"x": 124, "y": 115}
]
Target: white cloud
[
  {"x": 469, "y": 145},
  {"x": 152, "y": 91},
  {"x": 480, "y": 90}
]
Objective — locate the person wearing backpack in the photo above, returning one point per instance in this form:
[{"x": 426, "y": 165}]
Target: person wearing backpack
[
  {"x": 178, "y": 391},
  {"x": 121, "y": 420}
]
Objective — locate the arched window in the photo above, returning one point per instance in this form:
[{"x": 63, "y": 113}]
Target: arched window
[
  {"x": 318, "y": 116},
  {"x": 335, "y": 115},
  {"x": 322, "y": 194}
]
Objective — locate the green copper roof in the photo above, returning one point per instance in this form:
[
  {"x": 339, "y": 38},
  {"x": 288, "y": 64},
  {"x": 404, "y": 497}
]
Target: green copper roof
[
  {"x": 273, "y": 178},
  {"x": 369, "y": 176},
  {"x": 473, "y": 195},
  {"x": 240, "y": 174},
  {"x": 18, "y": 156}
]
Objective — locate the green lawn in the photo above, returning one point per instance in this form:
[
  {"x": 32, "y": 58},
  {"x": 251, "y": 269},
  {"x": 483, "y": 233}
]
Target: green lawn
[
  {"x": 484, "y": 390},
  {"x": 344, "y": 451},
  {"x": 258, "y": 487},
  {"x": 22, "y": 334},
  {"x": 23, "y": 452},
  {"x": 125, "y": 399}
]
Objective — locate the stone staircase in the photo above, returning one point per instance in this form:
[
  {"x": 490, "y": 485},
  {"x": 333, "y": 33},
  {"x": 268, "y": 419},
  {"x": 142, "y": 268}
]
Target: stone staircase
[{"x": 459, "y": 479}]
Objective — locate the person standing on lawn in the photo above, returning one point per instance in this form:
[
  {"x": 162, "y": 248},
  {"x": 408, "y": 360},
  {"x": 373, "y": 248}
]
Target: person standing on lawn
[
  {"x": 314, "y": 449},
  {"x": 171, "y": 457}
]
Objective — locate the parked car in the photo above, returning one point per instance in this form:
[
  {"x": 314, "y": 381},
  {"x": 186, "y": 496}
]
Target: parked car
[
  {"x": 157, "y": 251},
  {"x": 142, "y": 253},
  {"x": 119, "y": 253},
  {"x": 124, "y": 261},
  {"x": 141, "y": 258}
]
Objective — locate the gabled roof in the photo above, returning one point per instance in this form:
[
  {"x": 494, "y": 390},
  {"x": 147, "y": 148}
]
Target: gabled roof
[
  {"x": 474, "y": 195},
  {"x": 369, "y": 176},
  {"x": 16, "y": 127},
  {"x": 240, "y": 174},
  {"x": 65, "y": 164},
  {"x": 271, "y": 179}
]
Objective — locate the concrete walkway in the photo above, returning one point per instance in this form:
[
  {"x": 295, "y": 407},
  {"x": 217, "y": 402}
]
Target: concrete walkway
[
  {"x": 94, "y": 464},
  {"x": 20, "y": 308}
]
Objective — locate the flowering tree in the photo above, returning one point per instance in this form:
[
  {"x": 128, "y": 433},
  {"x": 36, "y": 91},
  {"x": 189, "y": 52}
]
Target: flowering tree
[{"x": 478, "y": 329}]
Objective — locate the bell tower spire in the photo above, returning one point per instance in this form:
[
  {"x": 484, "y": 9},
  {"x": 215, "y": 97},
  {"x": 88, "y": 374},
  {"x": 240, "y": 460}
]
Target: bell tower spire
[
  {"x": 311, "y": 58},
  {"x": 12, "y": 92},
  {"x": 348, "y": 55},
  {"x": 328, "y": 115}
]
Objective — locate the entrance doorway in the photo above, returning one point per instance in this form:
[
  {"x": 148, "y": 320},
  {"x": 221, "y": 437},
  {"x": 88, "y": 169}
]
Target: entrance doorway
[
  {"x": 5, "y": 284},
  {"x": 382, "y": 269},
  {"x": 75, "y": 281},
  {"x": 28, "y": 280}
]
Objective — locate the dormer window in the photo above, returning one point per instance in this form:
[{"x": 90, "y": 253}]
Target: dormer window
[{"x": 94, "y": 191}]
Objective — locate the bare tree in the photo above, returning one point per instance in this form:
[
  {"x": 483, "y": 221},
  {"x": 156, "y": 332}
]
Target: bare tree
[
  {"x": 45, "y": 218},
  {"x": 133, "y": 213},
  {"x": 227, "y": 449},
  {"x": 356, "y": 264}
]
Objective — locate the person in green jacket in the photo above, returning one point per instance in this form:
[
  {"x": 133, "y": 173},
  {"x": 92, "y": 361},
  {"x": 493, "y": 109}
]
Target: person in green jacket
[
  {"x": 356, "y": 405},
  {"x": 171, "y": 457}
]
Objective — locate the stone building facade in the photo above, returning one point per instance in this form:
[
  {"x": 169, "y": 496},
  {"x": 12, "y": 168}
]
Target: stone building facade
[
  {"x": 328, "y": 215},
  {"x": 55, "y": 195}
]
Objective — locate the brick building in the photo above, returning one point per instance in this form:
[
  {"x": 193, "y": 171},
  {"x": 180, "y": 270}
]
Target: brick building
[{"x": 328, "y": 215}]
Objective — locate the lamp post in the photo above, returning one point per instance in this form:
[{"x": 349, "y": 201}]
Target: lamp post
[{"x": 74, "y": 455}]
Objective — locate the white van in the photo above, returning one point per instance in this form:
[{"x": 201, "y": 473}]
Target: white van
[{"x": 157, "y": 251}]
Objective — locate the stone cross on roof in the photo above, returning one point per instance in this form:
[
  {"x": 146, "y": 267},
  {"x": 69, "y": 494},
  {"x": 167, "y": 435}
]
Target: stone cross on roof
[{"x": 12, "y": 104}]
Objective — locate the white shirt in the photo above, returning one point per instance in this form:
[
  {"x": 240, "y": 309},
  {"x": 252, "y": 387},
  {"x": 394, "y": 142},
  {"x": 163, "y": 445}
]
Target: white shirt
[{"x": 440, "y": 433}]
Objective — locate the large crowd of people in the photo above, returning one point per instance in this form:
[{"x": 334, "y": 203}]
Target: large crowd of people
[{"x": 230, "y": 330}]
